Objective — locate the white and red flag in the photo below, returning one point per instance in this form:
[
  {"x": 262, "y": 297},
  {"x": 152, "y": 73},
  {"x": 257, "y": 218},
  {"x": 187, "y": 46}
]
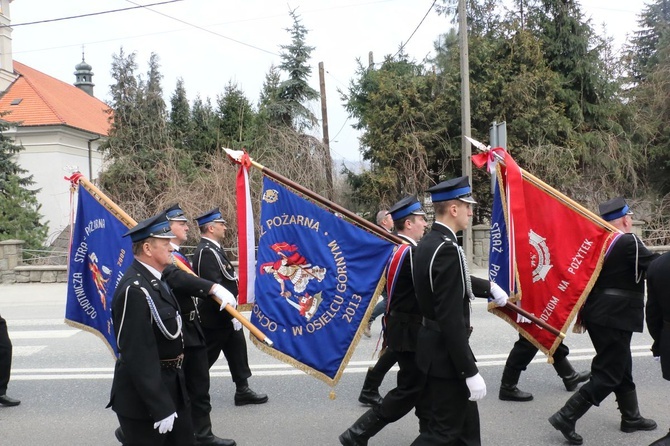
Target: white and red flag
[{"x": 245, "y": 235}]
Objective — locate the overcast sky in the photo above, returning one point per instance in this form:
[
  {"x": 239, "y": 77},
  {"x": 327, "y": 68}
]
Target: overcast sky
[{"x": 211, "y": 42}]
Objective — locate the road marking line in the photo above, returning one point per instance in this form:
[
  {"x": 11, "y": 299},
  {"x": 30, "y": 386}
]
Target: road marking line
[
  {"x": 107, "y": 373},
  {"x": 42, "y": 334},
  {"x": 34, "y": 322},
  {"x": 27, "y": 350}
]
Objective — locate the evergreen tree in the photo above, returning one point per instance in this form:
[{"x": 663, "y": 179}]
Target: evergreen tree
[
  {"x": 180, "y": 124},
  {"x": 125, "y": 117},
  {"x": 138, "y": 135},
  {"x": 235, "y": 118},
  {"x": 403, "y": 131},
  {"x": 295, "y": 92},
  {"x": 654, "y": 26},
  {"x": 19, "y": 208},
  {"x": 269, "y": 108},
  {"x": 153, "y": 110},
  {"x": 204, "y": 139}
]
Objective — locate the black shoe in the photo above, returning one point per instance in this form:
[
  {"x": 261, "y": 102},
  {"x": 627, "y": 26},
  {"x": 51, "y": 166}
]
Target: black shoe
[
  {"x": 370, "y": 398},
  {"x": 508, "y": 386},
  {"x": 513, "y": 393},
  {"x": 369, "y": 395},
  {"x": 244, "y": 395},
  {"x": 571, "y": 382},
  {"x": 118, "y": 433},
  {"x": 213, "y": 440},
  {"x": 631, "y": 420},
  {"x": 7, "y": 401},
  {"x": 566, "y": 418}
]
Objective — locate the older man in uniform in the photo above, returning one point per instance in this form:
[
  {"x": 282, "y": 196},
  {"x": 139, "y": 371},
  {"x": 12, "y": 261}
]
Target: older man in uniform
[
  {"x": 444, "y": 289},
  {"x": 148, "y": 391},
  {"x": 403, "y": 320},
  {"x": 658, "y": 318},
  {"x": 222, "y": 332},
  {"x": 612, "y": 312}
]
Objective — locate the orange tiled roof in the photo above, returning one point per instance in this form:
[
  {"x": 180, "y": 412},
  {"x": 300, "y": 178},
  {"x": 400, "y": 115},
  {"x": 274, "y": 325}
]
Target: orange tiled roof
[{"x": 47, "y": 101}]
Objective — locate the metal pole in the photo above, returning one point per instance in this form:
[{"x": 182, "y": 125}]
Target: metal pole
[
  {"x": 466, "y": 149},
  {"x": 326, "y": 139}
]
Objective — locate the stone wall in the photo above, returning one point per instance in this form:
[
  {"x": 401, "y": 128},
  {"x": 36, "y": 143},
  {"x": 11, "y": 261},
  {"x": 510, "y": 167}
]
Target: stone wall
[{"x": 13, "y": 270}]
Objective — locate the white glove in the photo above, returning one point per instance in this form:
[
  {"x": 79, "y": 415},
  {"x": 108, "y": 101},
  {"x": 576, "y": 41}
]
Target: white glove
[
  {"x": 477, "y": 387},
  {"x": 657, "y": 358},
  {"x": 225, "y": 296},
  {"x": 165, "y": 425},
  {"x": 499, "y": 295},
  {"x": 237, "y": 325}
]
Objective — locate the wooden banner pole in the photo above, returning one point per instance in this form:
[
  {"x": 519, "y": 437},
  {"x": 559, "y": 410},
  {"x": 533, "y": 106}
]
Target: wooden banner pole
[{"x": 130, "y": 222}]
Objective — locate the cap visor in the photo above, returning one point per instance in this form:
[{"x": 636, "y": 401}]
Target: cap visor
[
  {"x": 468, "y": 199},
  {"x": 168, "y": 234}
]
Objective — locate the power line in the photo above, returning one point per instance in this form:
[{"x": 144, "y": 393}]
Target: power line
[
  {"x": 415, "y": 30},
  {"x": 205, "y": 29},
  {"x": 88, "y": 15}
]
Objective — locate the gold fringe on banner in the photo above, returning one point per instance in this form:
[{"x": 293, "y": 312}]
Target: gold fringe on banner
[
  {"x": 127, "y": 220},
  {"x": 83, "y": 327},
  {"x": 492, "y": 308},
  {"x": 347, "y": 357}
]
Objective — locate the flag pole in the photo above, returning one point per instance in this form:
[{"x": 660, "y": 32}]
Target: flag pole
[
  {"x": 536, "y": 320},
  {"x": 542, "y": 185},
  {"x": 378, "y": 230},
  {"x": 130, "y": 222},
  {"x": 374, "y": 228}
]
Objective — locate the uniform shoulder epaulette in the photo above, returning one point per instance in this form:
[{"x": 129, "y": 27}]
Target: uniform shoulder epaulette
[{"x": 447, "y": 239}]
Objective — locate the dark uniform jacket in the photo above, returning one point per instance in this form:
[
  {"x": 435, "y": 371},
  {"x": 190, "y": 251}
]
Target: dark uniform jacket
[
  {"x": 439, "y": 280},
  {"x": 403, "y": 320},
  {"x": 658, "y": 310},
  {"x": 211, "y": 263},
  {"x": 187, "y": 287},
  {"x": 141, "y": 389},
  {"x": 617, "y": 298}
]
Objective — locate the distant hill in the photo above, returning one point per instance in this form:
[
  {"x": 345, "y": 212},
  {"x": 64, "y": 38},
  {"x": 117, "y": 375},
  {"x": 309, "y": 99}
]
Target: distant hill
[{"x": 355, "y": 166}]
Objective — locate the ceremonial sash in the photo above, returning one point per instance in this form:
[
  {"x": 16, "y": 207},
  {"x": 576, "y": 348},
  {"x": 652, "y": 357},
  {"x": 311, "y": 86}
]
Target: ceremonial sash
[{"x": 392, "y": 270}]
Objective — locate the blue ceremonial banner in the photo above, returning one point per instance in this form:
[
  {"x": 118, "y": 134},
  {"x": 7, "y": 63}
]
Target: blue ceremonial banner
[
  {"x": 317, "y": 278},
  {"x": 99, "y": 255},
  {"x": 500, "y": 257}
]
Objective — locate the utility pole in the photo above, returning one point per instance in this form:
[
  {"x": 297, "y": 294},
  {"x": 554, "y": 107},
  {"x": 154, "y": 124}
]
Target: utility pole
[
  {"x": 326, "y": 140},
  {"x": 466, "y": 149}
]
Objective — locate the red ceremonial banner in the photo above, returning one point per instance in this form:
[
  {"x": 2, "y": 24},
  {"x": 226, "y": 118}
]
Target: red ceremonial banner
[{"x": 558, "y": 246}]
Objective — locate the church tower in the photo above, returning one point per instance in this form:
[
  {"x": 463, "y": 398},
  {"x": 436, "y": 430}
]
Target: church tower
[
  {"x": 84, "y": 76},
  {"x": 7, "y": 75}
]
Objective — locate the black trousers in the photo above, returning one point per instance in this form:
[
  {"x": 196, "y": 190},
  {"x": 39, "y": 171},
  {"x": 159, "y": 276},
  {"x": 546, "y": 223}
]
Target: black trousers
[
  {"x": 234, "y": 347},
  {"x": 385, "y": 362},
  {"x": 524, "y": 351},
  {"x": 407, "y": 393},
  {"x": 5, "y": 356},
  {"x": 142, "y": 432},
  {"x": 612, "y": 367},
  {"x": 196, "y": 374},
  {"x": 454, "y": 419}
]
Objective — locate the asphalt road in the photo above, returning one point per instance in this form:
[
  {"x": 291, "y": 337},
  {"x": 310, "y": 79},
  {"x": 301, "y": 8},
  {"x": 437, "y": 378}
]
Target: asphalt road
[{"x": 63, "y": 377}]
